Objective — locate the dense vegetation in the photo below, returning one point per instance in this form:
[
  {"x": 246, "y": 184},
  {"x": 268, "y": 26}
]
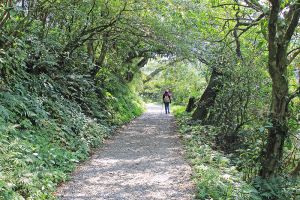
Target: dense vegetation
[{"x": 71, "y": 71}]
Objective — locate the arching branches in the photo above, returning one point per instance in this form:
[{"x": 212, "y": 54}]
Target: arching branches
[{"x": 6, "y": 6}]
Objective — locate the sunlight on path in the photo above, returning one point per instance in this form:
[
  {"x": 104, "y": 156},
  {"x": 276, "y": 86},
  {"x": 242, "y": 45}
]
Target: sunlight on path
[{"x": 143, "y": 161}]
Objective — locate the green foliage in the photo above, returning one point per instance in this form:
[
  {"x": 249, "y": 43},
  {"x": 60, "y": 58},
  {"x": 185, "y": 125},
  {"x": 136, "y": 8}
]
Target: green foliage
[
  {"x": 214, "y": 174},
  {"x": 52, "y": 113},
  {"x": 56, "y": 103},
  {"x": 241, "y": 105},
  {"x": 277, "y": 188},
  {"x": 44, "y": 134},
  {"x": 184, "y": 80},
  {"x": 177, "y": 110},
  {"x": 221, "y": 176}
]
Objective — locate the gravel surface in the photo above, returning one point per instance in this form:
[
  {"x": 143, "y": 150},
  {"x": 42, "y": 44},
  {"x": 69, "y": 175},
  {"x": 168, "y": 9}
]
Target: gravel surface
[{"x": 144, "y": 160}]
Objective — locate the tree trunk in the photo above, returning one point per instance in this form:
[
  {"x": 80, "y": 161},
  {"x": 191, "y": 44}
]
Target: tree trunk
[
  {"x": 130, "y": 73},
  {"x": 103, "y": 51},
  {"x": 100, "y": 60},
  {"x": 278, "y": 116},
  {"x": 279, "y": 130},
  {"x": 90, "y": 50},
  {"x": 277, "y": 63},
  {"x": 191, "y": 105},
  {"x": 208, "y": 98}
]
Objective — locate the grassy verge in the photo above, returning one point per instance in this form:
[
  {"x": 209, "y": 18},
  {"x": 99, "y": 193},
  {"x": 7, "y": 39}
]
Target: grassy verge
[{"x": 214, "y": 175}]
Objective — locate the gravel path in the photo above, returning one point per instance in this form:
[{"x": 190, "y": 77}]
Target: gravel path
[{"x": 144, "y": 160}]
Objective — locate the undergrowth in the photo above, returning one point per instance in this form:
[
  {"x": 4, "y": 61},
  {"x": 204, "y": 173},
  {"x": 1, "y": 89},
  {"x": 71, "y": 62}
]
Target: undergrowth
[
  {"x": 48, "y": 125},
  {"x": 214, "y": 175}
]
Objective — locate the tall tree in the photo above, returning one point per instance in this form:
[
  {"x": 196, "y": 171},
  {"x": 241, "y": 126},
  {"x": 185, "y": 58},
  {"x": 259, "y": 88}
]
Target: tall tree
[{"x": 282, "y": 23}]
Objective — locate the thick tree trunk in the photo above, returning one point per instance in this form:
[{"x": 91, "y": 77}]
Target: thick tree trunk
[
  {"x": 208, "y": 98},
  {"x": 191, "y": 105}
]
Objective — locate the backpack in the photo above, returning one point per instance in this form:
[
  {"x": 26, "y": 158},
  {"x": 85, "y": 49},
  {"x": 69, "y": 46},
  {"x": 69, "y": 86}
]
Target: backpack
[{"x": 167, "y": 99}]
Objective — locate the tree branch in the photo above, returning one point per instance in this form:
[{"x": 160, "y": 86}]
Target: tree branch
[
  {"x": 158, "y": 70},
  {"x": 5, "y": 16},
  {"x": 293, "y": 56},
  {"x": 154, "y": 73},
  {"x": 294, "y": 22},
  {"x": 231, "y": 4},
  {"x": 142, "y": 63},
  {"x": 293, "y": 95},
  {"x": 254, "y": 4}
]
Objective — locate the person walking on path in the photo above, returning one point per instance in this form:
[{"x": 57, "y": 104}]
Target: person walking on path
[{"x": 167, "y": 101}]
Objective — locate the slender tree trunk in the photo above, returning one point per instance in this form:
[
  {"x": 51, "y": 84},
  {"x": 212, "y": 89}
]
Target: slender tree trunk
[
  {"x": 103, "y": 51},
  {"x": 23, "y": 5},
  {"x": 100, "y": 60},
  {"x": 208, "y": 98},
  {"x": 278, "y": 117},
  {"x": 277, "y": 63},
  {"x": 90, "y": 50}
]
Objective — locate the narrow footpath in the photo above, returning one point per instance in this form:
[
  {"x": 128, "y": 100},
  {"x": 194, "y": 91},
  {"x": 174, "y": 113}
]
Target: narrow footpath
[{"x": 144, "y": 160}]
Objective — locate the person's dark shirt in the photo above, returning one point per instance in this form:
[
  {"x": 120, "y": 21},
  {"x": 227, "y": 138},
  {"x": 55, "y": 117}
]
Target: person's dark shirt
[{"x": 167, "y": 94}]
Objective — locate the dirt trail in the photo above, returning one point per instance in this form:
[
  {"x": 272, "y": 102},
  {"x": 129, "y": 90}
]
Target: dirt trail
[{"x": 143, "y": 161}]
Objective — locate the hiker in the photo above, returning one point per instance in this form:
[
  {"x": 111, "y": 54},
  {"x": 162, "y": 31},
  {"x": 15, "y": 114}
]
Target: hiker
[{"x": 167, "y": 101}]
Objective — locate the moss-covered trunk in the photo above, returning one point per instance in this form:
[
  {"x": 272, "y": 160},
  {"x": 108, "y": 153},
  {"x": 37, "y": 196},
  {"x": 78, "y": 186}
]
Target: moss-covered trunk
[{"x": 278, "y": 117}]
